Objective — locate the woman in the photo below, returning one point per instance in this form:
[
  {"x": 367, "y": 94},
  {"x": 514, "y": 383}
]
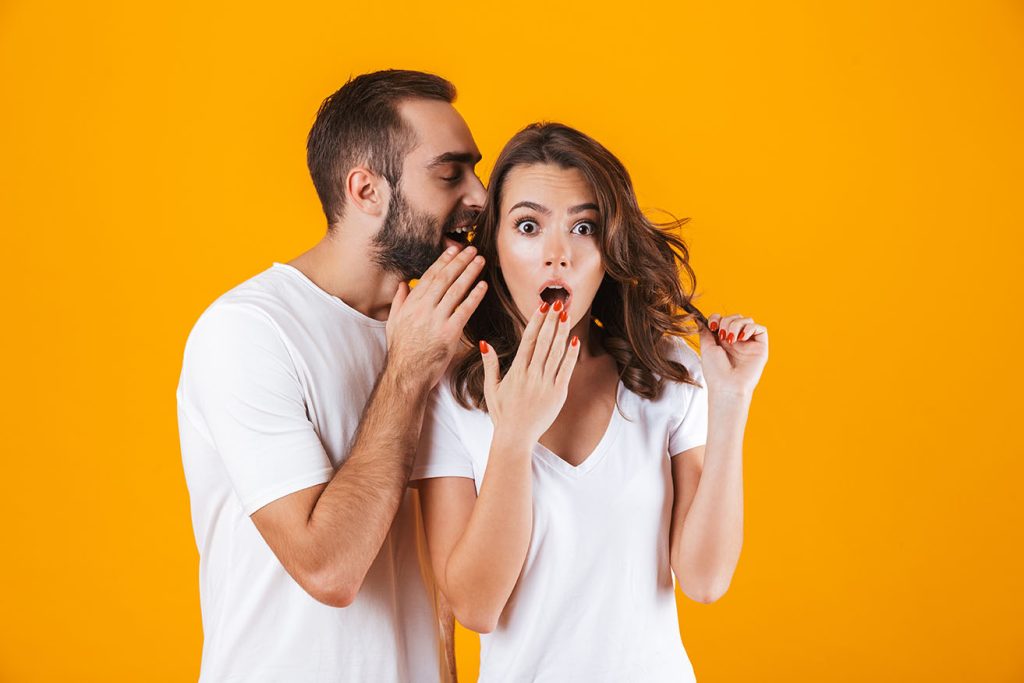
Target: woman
[{"x": 564, "y": 472}]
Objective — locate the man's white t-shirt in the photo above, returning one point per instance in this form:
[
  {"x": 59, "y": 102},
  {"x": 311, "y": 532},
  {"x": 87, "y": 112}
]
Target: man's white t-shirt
[
  {"x": 275, "y": 377},
  {"x": 595, "y": 601}
]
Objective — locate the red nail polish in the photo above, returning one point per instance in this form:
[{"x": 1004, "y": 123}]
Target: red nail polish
[
  {"x": 564, "y": 316},
  {"x": 483, "y": 346},
  {"x": 713, "y": 325},
  {"x": 558, "y": 306},
  {"x": 544, "y": 307},
  {"x": 575, "y": 340},
  {"x": 731, "y": 335},
  {"x": 740, "y": 338},
  {"x": 721, "y": 334}
]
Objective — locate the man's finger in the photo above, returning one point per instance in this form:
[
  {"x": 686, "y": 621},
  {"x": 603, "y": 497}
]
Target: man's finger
[
  {"x": 443, "y": 279},
  {"x": 443, "y": 260},
  {"x": 462, "y": 312},
  {"x": 457, "y": 291}
]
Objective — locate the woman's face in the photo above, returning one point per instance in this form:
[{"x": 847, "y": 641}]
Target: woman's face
[{"x": 549, "y": 239}]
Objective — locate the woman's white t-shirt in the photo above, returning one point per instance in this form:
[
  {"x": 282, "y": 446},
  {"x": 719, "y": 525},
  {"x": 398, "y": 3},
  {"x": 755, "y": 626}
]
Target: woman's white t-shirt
[{"x": 595, "y": 600}]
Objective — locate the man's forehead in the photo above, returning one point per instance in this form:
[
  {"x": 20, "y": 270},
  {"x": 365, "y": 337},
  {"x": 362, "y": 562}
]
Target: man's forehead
[{"x": 442, "y": 135}]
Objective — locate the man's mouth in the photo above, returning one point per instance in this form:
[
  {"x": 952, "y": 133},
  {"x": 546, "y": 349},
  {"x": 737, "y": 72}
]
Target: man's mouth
[
  {"x": 461, "y": 235},
  {"x": 556, "y": 290}
]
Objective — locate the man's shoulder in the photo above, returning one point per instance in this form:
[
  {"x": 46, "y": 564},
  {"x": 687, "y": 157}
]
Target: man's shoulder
[{"x": 247, "y": 311}]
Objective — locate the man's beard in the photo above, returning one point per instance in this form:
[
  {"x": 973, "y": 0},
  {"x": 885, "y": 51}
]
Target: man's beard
[{"x": 410, "y": 241}]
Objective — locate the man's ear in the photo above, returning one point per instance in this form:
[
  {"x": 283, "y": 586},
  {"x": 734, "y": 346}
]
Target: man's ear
[{"x": 367, "y": 192}]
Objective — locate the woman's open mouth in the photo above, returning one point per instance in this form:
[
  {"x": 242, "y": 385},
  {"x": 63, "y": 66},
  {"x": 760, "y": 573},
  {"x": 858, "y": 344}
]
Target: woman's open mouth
[{"x": 556, "y": 290}]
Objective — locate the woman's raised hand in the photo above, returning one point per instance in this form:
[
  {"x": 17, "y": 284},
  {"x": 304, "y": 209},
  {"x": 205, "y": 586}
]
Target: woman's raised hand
[
  {"x": 734, "y": 351},
  {"x": 525, "y": 402}
]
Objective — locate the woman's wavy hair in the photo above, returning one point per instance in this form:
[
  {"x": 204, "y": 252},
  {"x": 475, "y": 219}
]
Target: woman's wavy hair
[{"x": 639, "y": 302}]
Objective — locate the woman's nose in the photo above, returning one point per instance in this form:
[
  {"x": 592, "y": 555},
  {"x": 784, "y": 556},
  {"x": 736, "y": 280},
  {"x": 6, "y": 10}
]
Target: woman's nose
[{"x": 556, "y": 251}]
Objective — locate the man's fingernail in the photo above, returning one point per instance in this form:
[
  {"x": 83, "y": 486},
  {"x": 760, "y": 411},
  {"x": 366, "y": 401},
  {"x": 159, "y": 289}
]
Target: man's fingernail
[{"x": 451, "y": 250}]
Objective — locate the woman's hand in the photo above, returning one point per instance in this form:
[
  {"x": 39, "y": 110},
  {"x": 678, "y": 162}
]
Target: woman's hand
[
  {"x": 734, "y": 351},
  {"x": 525, "y": 402}
]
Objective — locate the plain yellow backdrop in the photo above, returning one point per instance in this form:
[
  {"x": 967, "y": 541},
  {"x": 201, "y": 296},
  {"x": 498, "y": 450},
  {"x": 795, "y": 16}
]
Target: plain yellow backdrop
[{"x": 853, "y": 171}]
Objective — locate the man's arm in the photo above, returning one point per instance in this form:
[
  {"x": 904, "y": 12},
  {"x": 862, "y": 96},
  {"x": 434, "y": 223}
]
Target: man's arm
[{"x": 327, "y": 536}]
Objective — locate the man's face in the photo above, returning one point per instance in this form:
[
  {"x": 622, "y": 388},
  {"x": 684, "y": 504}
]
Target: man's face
[{"x": 439, "y": 196}]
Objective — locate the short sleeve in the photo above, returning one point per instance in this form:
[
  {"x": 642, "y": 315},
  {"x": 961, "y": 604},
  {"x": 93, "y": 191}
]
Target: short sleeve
[
  {"x": 240, "y": 391},
  {"x": 690, "y": 426},
  {"x": 441, "y": 452}
]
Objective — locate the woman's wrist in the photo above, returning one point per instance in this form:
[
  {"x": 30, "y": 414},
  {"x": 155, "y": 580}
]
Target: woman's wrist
[{"x": 511, "y": 439}]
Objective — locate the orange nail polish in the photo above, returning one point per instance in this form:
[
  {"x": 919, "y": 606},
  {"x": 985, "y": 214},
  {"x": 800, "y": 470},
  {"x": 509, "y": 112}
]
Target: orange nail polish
[
  {"x": 713, "y": 325},
  {"x": 564, "y": 316},
  {"x": 558, "y": 306},
  {"x": 740, "y": 338},
  {"x": 575, "y": 340},
  {"x": 544, "y": 307},
  {"x": 721, "y": 334},
  {"x": 483, "y": 346},
  {"x": 731, "y": 335}
]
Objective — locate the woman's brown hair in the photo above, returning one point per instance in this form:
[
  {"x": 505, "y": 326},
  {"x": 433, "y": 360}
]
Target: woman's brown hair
[{"x": 640, "y": 300}]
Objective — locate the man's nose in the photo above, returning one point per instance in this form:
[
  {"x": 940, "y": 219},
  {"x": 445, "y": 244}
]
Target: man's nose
[{"x": 477, "y": 194}]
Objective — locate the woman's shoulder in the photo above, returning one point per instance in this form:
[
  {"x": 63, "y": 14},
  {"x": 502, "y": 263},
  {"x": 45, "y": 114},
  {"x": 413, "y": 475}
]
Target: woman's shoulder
[{"x": 684, "y": 352}]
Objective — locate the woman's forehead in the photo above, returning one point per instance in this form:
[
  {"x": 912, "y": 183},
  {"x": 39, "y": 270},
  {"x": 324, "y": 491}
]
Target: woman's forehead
[{"x": 548, "y": 186}]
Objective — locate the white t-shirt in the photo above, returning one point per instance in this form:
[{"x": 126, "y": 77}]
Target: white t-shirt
[
  {"x": 595, "y": 601},
  {"x": 275, "y": 378}
]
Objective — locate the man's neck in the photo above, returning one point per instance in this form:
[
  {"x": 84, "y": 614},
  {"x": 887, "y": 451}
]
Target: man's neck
[{"x": 341, "y": 264}]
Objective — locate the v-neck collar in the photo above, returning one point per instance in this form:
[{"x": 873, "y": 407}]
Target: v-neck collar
[{"x": 556, "y": 462}]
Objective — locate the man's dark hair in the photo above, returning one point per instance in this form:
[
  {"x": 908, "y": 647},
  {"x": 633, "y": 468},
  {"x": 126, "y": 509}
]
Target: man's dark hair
[{"x": 360, "y": 124}]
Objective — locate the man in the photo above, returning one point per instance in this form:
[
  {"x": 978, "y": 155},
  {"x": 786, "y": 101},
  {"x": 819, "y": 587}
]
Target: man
[{"x": 302, "y": 393}]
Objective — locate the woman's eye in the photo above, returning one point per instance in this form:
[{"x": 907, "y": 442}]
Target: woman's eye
[
  {"x": 526, "y": 227},
  {"x": 584, "y": 229}
]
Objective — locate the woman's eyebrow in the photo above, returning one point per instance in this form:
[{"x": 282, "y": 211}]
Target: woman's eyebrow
[
  {"x": 589, "y": 206},
  {"x": 533, "y": 206}
]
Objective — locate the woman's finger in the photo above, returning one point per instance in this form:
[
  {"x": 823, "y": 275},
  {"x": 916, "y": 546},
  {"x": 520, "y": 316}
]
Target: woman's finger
[
  {"x": 558, "y": 345},
  {"x": 542, "y": 348},
  {"x": 572, "y": 353},
  {"x": 529, "y": 340},
  {"x": 490, "y": 358}
]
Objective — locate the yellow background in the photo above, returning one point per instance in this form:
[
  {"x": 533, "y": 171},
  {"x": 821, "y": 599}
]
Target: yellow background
[{"x": 854, "y": 174}]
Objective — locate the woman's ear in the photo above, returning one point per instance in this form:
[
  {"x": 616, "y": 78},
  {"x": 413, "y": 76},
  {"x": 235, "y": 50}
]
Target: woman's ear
[{"x": 367, "y": 192}]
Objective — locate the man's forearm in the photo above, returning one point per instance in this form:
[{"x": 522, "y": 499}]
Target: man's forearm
[{"x": 354, "y": 513}]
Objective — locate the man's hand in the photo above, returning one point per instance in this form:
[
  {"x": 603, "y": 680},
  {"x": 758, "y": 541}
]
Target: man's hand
[{"x": 425, "y": 324}]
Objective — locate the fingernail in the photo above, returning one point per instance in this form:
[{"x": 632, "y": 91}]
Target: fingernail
[
  {"x": 740, "y": 338},
  {"x": 713, "y": 325},
  {"x": 564, "y": 316},
  {"x": 558, "y": 306},
  {"x": 483, "y": 346},
  {"x": 575, "y": 340},
  {"x": 731, "y": 335},
  {"x": 544, "y": 307},
  {"x": 451, "y": 250},
  {"x": 721, "y": 334}
]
